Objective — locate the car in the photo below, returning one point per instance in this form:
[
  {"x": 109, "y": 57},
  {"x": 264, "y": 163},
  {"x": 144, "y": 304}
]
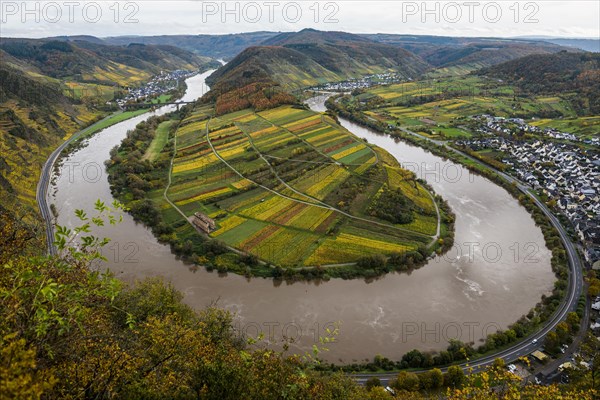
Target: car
[{"x": 534, "y": 341}]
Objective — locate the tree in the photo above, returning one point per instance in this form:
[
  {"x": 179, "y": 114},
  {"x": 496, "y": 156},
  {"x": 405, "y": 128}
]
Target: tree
[
  {"x": 431, "y": 380},
  {"x": 407, "y": 381},
  {"x": 563, "y": 331},
  {"x": 413, "y": 359},
  {"x": 372, "y": 382},
  {"x": 588, "y": 377},
  {"x": 499, "y": 364},
  {"x": 552, "y": 342},
  {"x": 68, "y": 332},
  {"x": 455, "y": 377},
  {"x": 493, "y": 384},
  {"x": 437, "y": 378},
  {"x": 594, "y": 287},
  {"x": 379, "y": 393},
  {"x": 573, "y": 321}
]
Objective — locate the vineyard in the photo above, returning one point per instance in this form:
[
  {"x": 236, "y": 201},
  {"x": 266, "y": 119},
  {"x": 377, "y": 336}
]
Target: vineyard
[
  {"x": 292, "y": 187},
  {"x": 436, "y": 107}
]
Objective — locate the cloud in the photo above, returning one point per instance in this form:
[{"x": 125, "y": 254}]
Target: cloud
[{"x": 457, "y": 18}]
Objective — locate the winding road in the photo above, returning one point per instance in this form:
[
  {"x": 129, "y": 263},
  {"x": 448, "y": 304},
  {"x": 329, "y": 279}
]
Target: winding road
[
  {"x": 574, "y": 289},
  {"x": 41, "y": 194}
]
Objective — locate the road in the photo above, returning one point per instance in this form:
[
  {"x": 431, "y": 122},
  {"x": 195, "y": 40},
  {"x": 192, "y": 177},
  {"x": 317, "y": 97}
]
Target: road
[
  {"x": 575, "y": 285},
  {"x": 41, "y": 194}
]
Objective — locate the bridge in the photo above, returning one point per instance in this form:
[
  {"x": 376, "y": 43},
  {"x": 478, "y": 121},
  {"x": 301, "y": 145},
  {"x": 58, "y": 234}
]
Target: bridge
[{"x": 138, "y": 106}]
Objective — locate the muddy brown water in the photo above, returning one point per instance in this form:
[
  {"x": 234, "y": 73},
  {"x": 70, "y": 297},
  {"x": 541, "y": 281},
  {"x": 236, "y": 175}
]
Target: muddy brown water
[{"x": 498, "y": 269}]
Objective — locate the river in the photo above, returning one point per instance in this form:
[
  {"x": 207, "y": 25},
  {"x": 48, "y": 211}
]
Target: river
[{"x": 498, "y": 269}]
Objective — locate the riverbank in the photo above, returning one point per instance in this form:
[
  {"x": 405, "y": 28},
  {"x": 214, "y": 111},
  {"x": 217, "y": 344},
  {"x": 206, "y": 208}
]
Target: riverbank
[
  {"x": 52, "y": 165},
  {"x": 374, "y": 315},
  {"x": 565, "y": 260},
  {"x": 196, "y": 247}
]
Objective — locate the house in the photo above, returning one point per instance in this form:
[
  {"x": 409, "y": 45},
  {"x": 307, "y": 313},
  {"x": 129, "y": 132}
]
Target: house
[
  {"x": 538, "y": 355},
  {"x": 564, "y": 366},
  {"x": 203, "y": 222}
]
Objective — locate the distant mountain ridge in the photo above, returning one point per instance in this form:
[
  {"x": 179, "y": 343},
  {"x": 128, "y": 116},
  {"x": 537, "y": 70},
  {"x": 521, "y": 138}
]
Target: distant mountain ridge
[
  {"x": 444, "y": 51},
  {"x": 215, "y": 46},
  {"x": 476, "y": 49},
  {"x": 587, "y": 44},
  {"x": 310, "y": 57}
]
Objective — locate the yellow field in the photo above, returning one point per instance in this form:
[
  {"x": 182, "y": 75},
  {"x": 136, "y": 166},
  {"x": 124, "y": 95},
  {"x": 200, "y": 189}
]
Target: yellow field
[
  {"x": 229, "y": 223},
  {"x": 349, "y": 151},
  {"x": 268, "y": 208},
  {"x": 196, "y": 163}
]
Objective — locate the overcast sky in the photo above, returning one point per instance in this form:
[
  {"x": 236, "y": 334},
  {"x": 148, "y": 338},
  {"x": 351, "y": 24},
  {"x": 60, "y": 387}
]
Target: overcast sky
[{"x": 452, "y": 18}]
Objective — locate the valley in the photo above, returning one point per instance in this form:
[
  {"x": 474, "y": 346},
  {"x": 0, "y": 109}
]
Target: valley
[{"x": 325, "y": 215}]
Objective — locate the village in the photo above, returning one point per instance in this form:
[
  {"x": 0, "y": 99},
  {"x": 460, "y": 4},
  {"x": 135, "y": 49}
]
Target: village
[
  {"x": 489, "y": 124},
  {"x": 361, "y": 83},
  {"x": 567, "y": 173},
  {"x": 159, "y": 84}
]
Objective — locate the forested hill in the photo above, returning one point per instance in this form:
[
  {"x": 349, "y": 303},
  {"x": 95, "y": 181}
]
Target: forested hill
[
  {"x": 291, "y": 61},
  {"x": 50, "y": 89},
  {"x": 90, "y": 61},
  {"x": 262, "y": 76},
  {"x": 317, "y": 57},
  {"x": 575, "y": 74},
  {"x": 472, "y": 53}
]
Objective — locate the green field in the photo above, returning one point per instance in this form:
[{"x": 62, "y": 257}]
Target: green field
[
  {"x": 160, "y": 139},
  {"x": 584, "y": 127},
  {"x": 163, "y": 98},
  {"x": 291, "y": 187},
  {"x": 111, "y": 120},
  {"x": 437, "y": 107}
]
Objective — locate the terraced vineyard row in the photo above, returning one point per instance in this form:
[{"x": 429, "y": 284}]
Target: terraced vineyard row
[{"x": 293, "y": 188}]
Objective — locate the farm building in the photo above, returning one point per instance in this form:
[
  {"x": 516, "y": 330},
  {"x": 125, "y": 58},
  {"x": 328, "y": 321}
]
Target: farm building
[{"x": 205, "y": 223}]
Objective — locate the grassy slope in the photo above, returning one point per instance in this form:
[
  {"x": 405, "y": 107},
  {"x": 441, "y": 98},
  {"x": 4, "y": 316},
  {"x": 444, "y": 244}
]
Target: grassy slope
[{"x": 159, "y": 141}]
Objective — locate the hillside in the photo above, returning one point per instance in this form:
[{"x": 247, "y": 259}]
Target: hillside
[
  {"x": 216, "y": 46},
  {"x": 285, "y": 66},
  {"x": 309, "y": 57},
  {"x": 573, "y": 75},
  {"x": 472, "y": 53},
  {"x": 51, "y": 89},
  {"x": 592, "y": 45},
  {"x": 439, "y": 51},
  {"x": 87, "y": 61}
]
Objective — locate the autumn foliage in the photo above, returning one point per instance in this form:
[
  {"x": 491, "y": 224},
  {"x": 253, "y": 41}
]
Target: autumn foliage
[
  {"x": 68, "y": 331},
  {"x": 258, "y": 95}
]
